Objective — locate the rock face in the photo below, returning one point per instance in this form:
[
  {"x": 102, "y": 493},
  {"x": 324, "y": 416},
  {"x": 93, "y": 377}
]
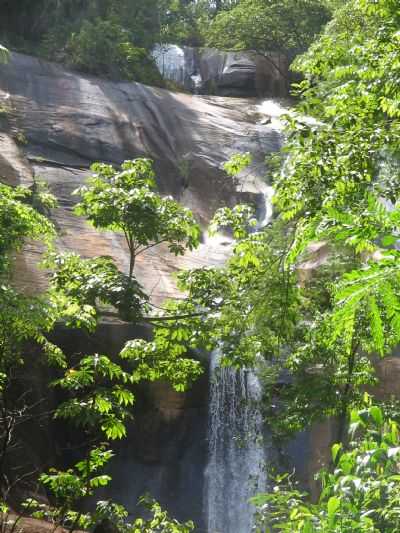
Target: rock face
[
  {"x": 211, "y": 71},
  {"x": 58, "y": 124}
]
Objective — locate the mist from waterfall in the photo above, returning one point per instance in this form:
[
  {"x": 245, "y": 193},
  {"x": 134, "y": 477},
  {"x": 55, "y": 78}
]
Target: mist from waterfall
[{"x": 237, "y": 452}]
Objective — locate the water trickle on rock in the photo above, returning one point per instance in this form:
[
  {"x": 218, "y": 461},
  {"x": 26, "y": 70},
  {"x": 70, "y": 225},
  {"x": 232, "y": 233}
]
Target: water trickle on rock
[{"x": 237, "y": 452}]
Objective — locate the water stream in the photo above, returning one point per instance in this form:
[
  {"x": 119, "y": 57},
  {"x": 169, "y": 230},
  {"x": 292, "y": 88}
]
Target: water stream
[
  {"x": 238, "y": 447},
  {"x": 237, "y": 444},
  {"x": 178, "y": 64},
  {"x": 237, "y": 452}
]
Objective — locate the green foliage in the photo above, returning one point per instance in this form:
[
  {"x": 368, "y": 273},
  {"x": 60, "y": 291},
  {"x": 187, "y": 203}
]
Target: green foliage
[
  {"x": 90, "y": 284},
  {"x": 22, "y": 317},
  {"x": 240, "y": 219},
  {"x": 331, "y": 185},
  {"x": 164, "y": 357},
  {"x": 160, "y": 522},
  {"x": 348, "y": 94},
  {"x": 19, "y": 221},
  {"x": 372, "y": 291},
  {"x": 338, "y": 177},
  {"x": 113, "y": 38},
  {"x": 4, "y": 54},
  {"x": 237, "y": 163},
  {"x": 103, "y": 37},
  {"x": 100, "y": 396},
  {"x": 360, "y": 494},
  {"x": 105, "y": 48},
  {"x": 244, "y": 324},
  {"x": 79, "y": 481},
  {"x": 285, "y": 26},
  {"x": 126, "y": 201},
  {"x": 71, "y": 484},
  {"x": 338, "y": 187},
  {"x": 68, "y": 488},
  {"x": 97, "y": 391},
  {"x": 181, "y": 21},
  {"x": 25, "y": 321}
]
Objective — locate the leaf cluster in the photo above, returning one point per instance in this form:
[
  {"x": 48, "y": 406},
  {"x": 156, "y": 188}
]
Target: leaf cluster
[
  {"x": 360, "y": 493},
  {"x": 126, "y": 201}
]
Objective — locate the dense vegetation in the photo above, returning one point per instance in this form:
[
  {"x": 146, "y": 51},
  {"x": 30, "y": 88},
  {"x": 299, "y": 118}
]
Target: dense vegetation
[
  {"x": 336, "y": 185},
  {"x": 99, "y": 391}
]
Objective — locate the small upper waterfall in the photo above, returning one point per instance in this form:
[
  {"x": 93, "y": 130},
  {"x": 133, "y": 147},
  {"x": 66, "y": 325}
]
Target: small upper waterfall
[
  {"x": 170, "y": 60},
  {"x": 237, "y": 453},
  {"x": 178, "y": 64}
]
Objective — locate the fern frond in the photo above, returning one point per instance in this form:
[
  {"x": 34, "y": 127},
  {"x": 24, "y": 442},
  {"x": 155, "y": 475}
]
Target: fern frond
[{"x": 372, "y": 292}]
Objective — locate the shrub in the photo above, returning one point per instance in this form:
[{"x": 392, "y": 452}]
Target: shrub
[{"x": 360, "y": 492}]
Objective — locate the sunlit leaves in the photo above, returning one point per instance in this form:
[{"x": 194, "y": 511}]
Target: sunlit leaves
[
  {"x": 93, "y": 283},
  {"x": 20, "y": 221},
  {"x": 267, "y": 26},
  {"x": 340, "y": 181},
  {"x": 240, "y": 219},
  {"x": 100, "y": 395},
  {"x": 374, "y": 291},
  {"x": 360, "y": 493},
  {"x": 163, "y": 359},
  {"x": 237, "y": 163},
  {"x": 126, "y": 201},
  {"x": 70, "y": 486},
  {"x": 160, "y": 522}
]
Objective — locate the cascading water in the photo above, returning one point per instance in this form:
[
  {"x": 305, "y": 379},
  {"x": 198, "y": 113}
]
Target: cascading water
[
  {"x": 237, "y": 447},
  {"x": 178, "y": 64},
  {"x": 170, "y": 60},
  {"x": 237, "y": 452}
]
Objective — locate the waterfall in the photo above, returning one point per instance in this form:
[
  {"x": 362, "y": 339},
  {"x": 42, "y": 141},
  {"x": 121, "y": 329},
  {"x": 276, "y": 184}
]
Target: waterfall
[
  {"x": 237, "y": 455},
  {"x": 170, "y": 60},
  {"x": 179, "y": 65}
]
